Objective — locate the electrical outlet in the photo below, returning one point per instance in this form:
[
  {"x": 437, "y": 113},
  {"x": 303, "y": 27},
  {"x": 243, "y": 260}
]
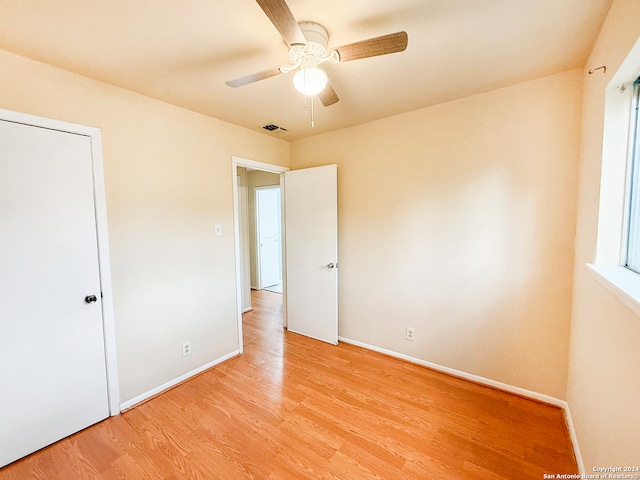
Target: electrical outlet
[
  {"x": 411, "y": 333},
  {"x": 186, "y": 348}
]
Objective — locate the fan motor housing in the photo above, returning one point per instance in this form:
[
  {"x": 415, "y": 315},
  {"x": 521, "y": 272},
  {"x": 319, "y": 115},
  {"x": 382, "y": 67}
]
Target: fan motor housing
[
  {"x": 314, "y": 52},
  {"x": 314, "y": 32}
]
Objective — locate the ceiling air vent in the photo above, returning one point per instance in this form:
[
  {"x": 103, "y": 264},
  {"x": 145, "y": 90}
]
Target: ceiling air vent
[{"x": 272, "y": 127}]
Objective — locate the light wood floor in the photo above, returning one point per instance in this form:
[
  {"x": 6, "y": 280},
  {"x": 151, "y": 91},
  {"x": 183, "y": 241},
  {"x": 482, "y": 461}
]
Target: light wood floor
[{"x": 293, "y": 408}]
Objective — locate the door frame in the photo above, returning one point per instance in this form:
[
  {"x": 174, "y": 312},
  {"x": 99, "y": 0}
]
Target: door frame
[
  {"x": 100, "y": 205},
  {"x": 256, "y": 240},
  {"x": 266, "y": 167}
]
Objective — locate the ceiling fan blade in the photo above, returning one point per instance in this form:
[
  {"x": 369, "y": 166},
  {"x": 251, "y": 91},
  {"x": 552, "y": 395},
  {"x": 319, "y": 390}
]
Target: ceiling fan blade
[
  {"x": 239, "y": 82},
  {"x": 284, "y": 21},
  {"x": 328, "y": 96},
  {"x": 392, "y": 43}
]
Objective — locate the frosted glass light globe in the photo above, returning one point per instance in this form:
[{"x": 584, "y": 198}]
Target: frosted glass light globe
[{"x": 310, "y": 81}]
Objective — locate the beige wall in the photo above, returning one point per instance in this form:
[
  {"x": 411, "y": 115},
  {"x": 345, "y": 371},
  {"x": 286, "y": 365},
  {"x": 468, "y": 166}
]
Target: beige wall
[
  {"x": 168, "y": 181},
  {"x": 604, "y": 374},
  {"x": 458, "y": 220}
]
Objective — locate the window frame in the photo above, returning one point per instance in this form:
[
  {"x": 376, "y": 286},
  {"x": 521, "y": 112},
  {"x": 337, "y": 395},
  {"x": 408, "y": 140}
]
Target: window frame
[{"x": 631, "y": 234}]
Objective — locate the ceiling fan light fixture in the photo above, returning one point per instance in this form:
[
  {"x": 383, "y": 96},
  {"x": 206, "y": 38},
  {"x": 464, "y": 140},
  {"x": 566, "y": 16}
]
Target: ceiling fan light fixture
[{"x": 310, "y": 81}]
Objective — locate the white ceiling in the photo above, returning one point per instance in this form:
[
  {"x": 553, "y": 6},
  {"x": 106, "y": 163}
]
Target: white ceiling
[{"x": 182, "y": 52}]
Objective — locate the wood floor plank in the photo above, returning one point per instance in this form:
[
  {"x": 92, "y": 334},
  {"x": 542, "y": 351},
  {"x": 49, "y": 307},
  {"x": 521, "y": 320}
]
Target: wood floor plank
[{"x": 291, "y": 407}]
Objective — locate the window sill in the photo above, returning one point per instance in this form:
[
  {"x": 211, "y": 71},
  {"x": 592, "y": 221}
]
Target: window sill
[{"x": 621, "y": 282}]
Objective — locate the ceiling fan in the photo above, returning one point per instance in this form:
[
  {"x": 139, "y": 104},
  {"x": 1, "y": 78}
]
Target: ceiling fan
[{"x": 308, "y": 48}]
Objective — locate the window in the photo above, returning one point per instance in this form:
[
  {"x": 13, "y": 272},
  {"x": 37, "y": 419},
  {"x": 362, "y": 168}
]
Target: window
[
  {"x": 617, "y": 258},
  {"x": 633, "y": 225}
]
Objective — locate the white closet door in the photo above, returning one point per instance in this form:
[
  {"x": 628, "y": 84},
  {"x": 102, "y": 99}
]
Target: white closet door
[
  {"x": 269, "y": 248},
  {"x": 52, "y": 357}
]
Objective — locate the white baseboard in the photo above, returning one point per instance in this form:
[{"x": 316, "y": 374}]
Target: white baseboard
[
  {"x": 459, "y": 373},
  {"x": 574, "y": 438},
  {"x": 172, "y": 383},
  {"x": 248, "y": 309},
  {"x": 541, "y": 397}
]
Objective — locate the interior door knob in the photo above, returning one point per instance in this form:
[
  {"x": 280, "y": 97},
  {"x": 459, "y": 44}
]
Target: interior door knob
[
  {"x": 331, "y": 265},
  {"x": 91, "y": 299}
]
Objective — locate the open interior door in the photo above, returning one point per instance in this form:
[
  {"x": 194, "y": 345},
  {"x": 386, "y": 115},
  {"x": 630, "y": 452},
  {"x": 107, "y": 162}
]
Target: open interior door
[{"x": 311, "y": 234}]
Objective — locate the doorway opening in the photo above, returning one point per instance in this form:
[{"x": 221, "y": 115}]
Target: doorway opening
[
  {"x": 309, "y": 246},
  {"x": 259, "y": 233}
]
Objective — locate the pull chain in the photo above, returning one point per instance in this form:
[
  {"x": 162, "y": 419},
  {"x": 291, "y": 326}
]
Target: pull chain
[{"x": 313, "y": 111}]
